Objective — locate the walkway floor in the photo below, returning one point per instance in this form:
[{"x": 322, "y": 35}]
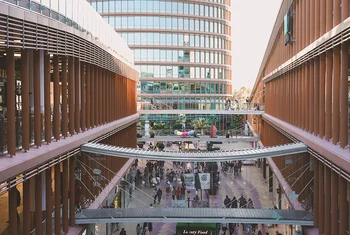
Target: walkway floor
[{"x": 250, "y": 183}]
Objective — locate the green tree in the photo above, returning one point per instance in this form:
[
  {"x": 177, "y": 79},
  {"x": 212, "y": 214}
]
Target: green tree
[
  {"x": 201, "y": 124},
  {"x": 160, "y": 145}
]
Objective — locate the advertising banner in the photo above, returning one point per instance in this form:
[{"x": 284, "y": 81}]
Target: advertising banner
[{"x": 204, "y": 180}]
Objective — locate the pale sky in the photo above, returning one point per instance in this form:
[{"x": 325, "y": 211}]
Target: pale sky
[{"x": 252, "y": 23}]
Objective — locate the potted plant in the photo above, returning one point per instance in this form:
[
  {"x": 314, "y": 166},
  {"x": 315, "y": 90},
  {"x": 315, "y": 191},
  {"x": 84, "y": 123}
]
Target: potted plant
[
  {"x": 160, "y": 145},
  {"x": 151, "y": 134}
]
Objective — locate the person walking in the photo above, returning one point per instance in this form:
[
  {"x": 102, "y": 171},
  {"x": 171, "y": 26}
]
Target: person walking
[
  {"x": 122, "y": 232},
  {"x": 227, "y": 202},
  {"x": 173, "y": 192},
  {"x": 138, "y": 229},
  {"x": 154, "y": 195},
  {"x": 159, "y": 195},
  {"x": 250, "y": 204}
]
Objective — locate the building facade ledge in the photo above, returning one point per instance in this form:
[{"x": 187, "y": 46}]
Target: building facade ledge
[
  {"x": 335, "y": 154},
  {"x": 24, "y": 161}
]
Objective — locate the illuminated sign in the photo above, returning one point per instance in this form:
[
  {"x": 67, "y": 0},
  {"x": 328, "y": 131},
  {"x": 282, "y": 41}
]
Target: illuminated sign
[{"x": 195, "y": 231}]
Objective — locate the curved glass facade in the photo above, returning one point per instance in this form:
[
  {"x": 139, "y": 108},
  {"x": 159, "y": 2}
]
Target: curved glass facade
[{"x": 181, "y": 48}]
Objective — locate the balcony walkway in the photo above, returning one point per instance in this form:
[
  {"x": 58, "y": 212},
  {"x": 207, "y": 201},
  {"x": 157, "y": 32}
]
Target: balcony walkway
[
  {"x": 177, "y": 112},
  {"x": 195, "y": 215},
  {"x": 202, "y": 138},
  {"x": 215, "y": 156}
]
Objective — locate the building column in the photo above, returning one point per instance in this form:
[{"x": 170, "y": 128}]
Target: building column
[
  {"x": 77, "y": 95},
  {"x": 26, "y": 207},
  {"x": 327, "y": 204},
  {"x": 316, "y": 190},
  {"x": 343, "y": 218},
  {"x": 316, "y": 106},
  {"x": 328, "y": 95},
  {"x": 64, "y": 125},
  {"x": 322, "y": 94},
  {"x": 37, "y": 104},
  {"x": 93, "y": 97},
  {"x": 88, "y": 95},
  {"x": 56, "y": 93},
  {"x": 72, "y": 190},
  {"x": 48, "y": 186},
  {"x": 65, "y": 184},
  {"x": 25, "y": 98},
  {"x": 344, "y": 95},
  {"x": 270, "y": 180},
  {"x": 11, "y": 102},
  {"x": 83, "y": 97},
  {"x": 336, "y": 89},
  {"x": 38, "y": 206},
  {"x": 321, "y": 207},
  {"x": 47, "y": 106},
  {"x": 57, "y": 199},
  {"x": 334, "y": 203},
  {"x": 12, "y": 202},
  {"x": 71, "y": 94}
]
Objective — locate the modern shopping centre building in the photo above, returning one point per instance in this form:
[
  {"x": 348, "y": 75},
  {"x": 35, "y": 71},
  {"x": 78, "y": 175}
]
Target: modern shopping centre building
[
  {"x": 183, "y": 52},
  {"x": 66, "y": 78}
]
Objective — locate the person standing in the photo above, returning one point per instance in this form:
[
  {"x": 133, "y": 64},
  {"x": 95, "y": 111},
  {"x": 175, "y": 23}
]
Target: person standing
[
  {"x": 234, "y": 202},
  {"x": 227, "y": 202},
  {"x": 138, "y": 229},
  {"x": 159, "y": 195}
]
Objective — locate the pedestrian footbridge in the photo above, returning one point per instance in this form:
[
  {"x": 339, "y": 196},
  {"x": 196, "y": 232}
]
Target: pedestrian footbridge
[
  {"x": 212, "y": 156},
  {"x": 194, "y": 215},
  {"x": 222, "y": 139}
]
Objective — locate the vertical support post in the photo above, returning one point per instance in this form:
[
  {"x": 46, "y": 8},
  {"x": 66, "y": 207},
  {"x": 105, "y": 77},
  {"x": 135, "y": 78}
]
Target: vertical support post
[
  {"x": 270, "y": 180},
  {"x": 83, "y": 97},
  {"x": 57, "y": 199},
  {"x": 344, "y": 94},
  {"x": 327, "y": 204},
  {"x": 93, "y": 97},
  {"x": 65, "y": 195},
  {"x": 37, "y": 105},
  {"x": 335, "y": 93},
  {"x": 12, "y": 199},
  {"x": 71, "y": 94},
  {"x": 11, "y": 102},
  {"x": 328, "y": 95},
  {"x": 88, "y": 95},
  {"x": 56, "y": 93},
  {"x": 316, "y": 190},
  {"x": 47, "y": 107},
  {"x": 48, "y": 185},
  {"x": 343, "y": 221},
  {"x": 322, "y": 96},
  {"x": 77, "y": 95},
  {"x": 25, "y": 98},
  {"x": 38, "y": 206},
  {"x": 316, "y": 96},
  {"x": 334, "y": 217},
  {"x": 321, "y": 207},
  {"x": 64, "y": 125},
  {"x": 26, "y": 207},
  {"x": 72, "y": 190}
]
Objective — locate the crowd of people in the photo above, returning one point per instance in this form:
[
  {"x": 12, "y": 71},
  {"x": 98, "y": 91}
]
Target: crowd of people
[{"x": 238, "y": 203}]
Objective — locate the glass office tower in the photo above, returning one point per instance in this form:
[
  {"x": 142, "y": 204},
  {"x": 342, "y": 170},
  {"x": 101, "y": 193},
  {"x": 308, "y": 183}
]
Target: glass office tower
[{"x": 182, "y": 50}]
